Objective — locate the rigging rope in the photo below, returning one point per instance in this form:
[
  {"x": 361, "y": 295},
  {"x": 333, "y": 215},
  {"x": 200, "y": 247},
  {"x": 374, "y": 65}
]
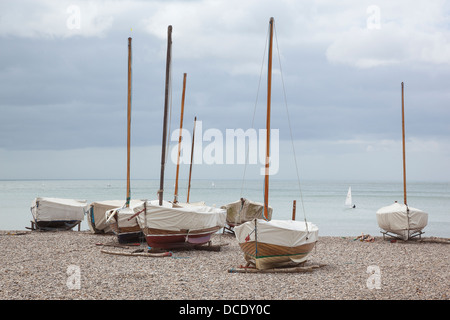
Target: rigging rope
[
  {"x": 254, "y": 111},
  {"x": 289, "y": 123},
  {"x": 290, "y": 131}
]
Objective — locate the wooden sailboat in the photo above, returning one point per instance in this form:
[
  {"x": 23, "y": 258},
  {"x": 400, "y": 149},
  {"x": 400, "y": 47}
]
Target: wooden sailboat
[
  {"x": 168, "y": 225},
  {"x": 401, "y": 220},
  {"x": 265, "y": 243},
  {"x": 120, "y": 219}
]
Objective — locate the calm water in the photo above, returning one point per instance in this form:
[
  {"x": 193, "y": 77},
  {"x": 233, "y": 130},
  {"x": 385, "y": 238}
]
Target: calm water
[{"x": 323, "y": 201}]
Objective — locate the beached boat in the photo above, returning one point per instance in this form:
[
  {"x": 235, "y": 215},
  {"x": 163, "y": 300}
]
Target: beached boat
[
  {"x": 170, "y": 226},
  {"x": 400, "y": 220},
  {"x": 124, "y": 224},
  {"x": 53, "y": 214},
  {"x": 173, "y": 225},
  {"x": 120, "y": 219},
  {"x": 96, "y": 215},
  {"x": 270, "y": 243}
]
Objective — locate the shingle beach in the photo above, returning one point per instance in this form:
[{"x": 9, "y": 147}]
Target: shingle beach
[{"x": 71, "y": 265}]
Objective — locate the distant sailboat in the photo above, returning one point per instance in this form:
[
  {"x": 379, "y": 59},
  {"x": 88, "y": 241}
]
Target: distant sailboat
[{"x": 348, "y": 199}]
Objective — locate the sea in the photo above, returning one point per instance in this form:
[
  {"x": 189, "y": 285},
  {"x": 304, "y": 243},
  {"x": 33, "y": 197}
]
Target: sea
[{"x": 318, "y": 202}]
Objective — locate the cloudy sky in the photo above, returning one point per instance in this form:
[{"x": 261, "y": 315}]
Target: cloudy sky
[{"x": 338, "y": 67}]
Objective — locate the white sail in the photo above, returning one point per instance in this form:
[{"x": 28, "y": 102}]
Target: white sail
[{"x": 348, "y": 200}]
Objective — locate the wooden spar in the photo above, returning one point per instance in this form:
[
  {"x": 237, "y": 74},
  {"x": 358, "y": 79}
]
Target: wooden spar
[
  {"x": 141, "y": 254},
  {"x": 294, "y": 206},
  {"x": 277, "y": 270},
  {"x": 404, "y": 156},
  {"x": 127, "y": 203},
  {"x": 166, "y": 107},
  {"x": 175, "y": 198},
  {"x": 192, "y": 158},
  {"x": 269, "y": 88}
]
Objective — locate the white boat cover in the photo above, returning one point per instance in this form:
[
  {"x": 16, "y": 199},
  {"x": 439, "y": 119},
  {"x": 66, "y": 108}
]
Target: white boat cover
[
  {"x": 99, "y": 209},
  {"x": 124, "y": 214},
  {"x": 395, "y": 219},
  {"x": 286, "y": 233},
  {"x": 190, "y": 204},
  {"x": 237, "y": 214},
  {"x": 57, "y": 209},
  {"x": 168, "y": 217}
]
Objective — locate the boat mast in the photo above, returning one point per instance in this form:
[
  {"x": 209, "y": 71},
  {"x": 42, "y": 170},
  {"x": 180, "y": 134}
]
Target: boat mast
[
  {"x": 166, "y": 107},
  {"x": 175, "y": 198},
  {"x": 269, "y": 85},
  {"x": 192, "y": 157},
  {"x": 404, "y": 157},
  {"x": 127, "y": 203}
]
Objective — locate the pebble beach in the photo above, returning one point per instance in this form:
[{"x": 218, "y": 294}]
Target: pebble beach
[{"x": 70, "y": 265}]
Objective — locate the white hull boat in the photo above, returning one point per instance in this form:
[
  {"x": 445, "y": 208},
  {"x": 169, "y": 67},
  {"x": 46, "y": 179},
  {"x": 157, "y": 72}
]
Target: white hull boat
[
  {"x": 402, "y": 221},
  {"x": 269, "y": 244},
  {"x": 57, "y": 213}
]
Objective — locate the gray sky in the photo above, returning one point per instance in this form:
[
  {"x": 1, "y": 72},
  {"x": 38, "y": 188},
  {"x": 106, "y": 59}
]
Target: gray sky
[{"x": 63, "y": 93}]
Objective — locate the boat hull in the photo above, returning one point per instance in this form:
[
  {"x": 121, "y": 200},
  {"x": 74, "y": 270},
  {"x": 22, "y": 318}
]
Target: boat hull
[
  {"x": 265, "y": 256},
  {"x": 130, "y": 237},
  {"x": 169, "y": 239},
  {"x": 56, "y": 225},
  {"x": 128, "y": 234}
]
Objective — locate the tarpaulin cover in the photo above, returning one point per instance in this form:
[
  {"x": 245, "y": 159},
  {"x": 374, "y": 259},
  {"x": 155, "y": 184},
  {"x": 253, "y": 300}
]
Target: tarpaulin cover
[
  {"x": 238, "y": 213},
  {"x": 57, "y": 209},
  {"x": 395, "y": 219},
  {"x": 124, "y": 214},
  {"x": 99, "y": 209},
  {"x": 174, "y": 218},
  {"x": 286, "y": 233}
]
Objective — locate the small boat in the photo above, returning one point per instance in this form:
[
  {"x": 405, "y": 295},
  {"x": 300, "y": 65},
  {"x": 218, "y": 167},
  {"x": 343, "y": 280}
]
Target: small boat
[
  {"x": 124, "y": 224},
  {"x": 171, "y": 225},
  {"x": 400, "y": 220},
  {"x": 271, "y": 243},
  {"x": 119, "y": 219},
  {"x": 54, "y": 214},
  {"x": 348, "y": 200},
  {"x": 96, "y": 215}
]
